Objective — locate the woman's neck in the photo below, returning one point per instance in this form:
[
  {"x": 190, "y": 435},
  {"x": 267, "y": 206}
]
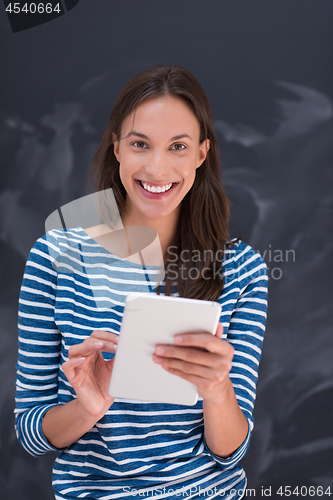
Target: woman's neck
[{"x": 165, "y": 227}]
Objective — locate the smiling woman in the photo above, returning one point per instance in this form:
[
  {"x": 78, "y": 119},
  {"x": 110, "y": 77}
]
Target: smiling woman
[{"x": 159, "y": 155}]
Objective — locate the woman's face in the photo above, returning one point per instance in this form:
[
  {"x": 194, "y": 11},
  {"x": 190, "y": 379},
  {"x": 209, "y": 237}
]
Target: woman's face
[{"x": 159, "y": 153}]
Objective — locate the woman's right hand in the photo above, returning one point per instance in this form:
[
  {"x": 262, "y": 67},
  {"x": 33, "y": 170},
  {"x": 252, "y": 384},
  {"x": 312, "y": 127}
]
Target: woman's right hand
[{"x": 89, "y": 373}]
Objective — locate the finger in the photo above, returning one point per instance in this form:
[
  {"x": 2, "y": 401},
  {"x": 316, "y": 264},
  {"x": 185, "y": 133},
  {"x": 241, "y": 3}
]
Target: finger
[
  {"x": 92, "y": 344},
  {"x": 204, "y": 340},
  {"x": 102, "y": 335},
  {"x": 189, "y": 355},
  {"x": 204, "y": 385},
  {"x": 209, "y": 366},
  {"x": 91, "y": 348},
  {"x": 70, "y": 366},
  {"x": 107, "y": 341},
  {"x": 203, "y": 372}
]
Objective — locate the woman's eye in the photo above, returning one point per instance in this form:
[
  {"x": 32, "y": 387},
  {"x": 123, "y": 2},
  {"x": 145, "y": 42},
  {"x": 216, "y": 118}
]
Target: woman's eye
[
  {"x": 139, "y": 144},
  {"x": 179, "y": 146}
]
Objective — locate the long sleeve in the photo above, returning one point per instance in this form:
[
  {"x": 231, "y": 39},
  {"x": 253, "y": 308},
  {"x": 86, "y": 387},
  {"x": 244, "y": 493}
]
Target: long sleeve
[
  {"x": 39, "y": 343},
  {"x": 245, "y": 333},
  {"x": 136, "y": 441}
]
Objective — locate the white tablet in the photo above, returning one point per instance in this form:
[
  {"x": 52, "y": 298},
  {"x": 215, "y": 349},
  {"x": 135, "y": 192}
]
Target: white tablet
[{"x": 151, "y": 319}]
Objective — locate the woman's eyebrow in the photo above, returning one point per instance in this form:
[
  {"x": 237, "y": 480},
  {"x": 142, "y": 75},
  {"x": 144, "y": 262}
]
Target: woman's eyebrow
[
  {"x": 181, "y": 136},
  {"x": 143, "y": 136}
]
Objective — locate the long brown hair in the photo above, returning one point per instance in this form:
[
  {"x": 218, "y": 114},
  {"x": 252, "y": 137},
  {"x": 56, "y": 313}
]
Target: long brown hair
[{"x": 203, "y": 223}]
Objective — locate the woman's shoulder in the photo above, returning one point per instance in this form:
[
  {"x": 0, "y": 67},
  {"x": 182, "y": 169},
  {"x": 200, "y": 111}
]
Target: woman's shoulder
[
  {"x": 238, "y": 247},
  {"x": 243, "y": 258},
  {"x": 53, "y": 243},
  {"x": 57, "y": 236}
]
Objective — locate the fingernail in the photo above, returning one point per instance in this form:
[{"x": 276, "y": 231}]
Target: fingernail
[
  {"x": 178, "y": 339},
  {"x": 159, "y": 350},
  {"x": 157, "y": 359},
  {"x": 115, "y": 347},
  {"x": 98, "y": 344}
]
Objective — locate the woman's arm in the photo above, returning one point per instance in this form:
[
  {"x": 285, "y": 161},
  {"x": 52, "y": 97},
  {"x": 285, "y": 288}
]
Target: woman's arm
[
  {"x": 225, "y": 373},
  {"x": 39, "y": 345},
  {"x": 226, "y": 426},
  {"x": 41, "y": 423},
  {"x": 64, "y": 424},
  {"x": 89, "y": 375},
  {"x": 205, "y": 360}
]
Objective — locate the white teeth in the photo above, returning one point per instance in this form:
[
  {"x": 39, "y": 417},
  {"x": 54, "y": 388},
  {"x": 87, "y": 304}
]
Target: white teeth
[{"x": 154, "y": 189}]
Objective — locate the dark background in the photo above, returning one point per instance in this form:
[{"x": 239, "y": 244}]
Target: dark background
[{"x": 267, "y": 69}]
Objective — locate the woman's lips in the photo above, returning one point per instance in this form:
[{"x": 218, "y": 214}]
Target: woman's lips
[{"x": 156, "y": 196}]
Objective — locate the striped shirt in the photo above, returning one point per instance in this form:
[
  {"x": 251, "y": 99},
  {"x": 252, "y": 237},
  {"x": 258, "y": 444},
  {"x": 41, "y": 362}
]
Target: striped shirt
[{"x": 73, "y": 286}]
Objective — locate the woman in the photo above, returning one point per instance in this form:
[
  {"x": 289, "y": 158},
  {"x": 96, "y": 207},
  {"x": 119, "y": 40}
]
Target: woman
[{"x": 160, "y": 157}]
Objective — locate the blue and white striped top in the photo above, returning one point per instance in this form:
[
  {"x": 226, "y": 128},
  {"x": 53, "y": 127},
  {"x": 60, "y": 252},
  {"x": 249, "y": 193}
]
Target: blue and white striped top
[{"x": 73, "y": 286}]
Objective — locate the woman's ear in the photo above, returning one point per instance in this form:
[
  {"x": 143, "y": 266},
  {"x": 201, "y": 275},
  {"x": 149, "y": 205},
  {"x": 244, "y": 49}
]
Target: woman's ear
[
  {"x": 115, "y": 145},
  {"x": 204, "y": 148}
]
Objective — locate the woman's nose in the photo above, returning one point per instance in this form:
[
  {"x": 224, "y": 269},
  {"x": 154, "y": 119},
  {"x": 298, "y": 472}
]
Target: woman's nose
[{"x": 158, "y": 165}]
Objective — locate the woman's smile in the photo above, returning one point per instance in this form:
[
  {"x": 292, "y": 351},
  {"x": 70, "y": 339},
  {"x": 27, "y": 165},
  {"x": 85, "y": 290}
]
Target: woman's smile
[{"x": 156, "y": 191}]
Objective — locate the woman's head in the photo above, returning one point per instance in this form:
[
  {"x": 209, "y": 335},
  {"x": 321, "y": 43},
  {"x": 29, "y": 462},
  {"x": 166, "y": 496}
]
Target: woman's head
[
  {"x": 157, "y": 82},
  {"x": 203, "y": 212},
  {"x": 158, "y": 153}
]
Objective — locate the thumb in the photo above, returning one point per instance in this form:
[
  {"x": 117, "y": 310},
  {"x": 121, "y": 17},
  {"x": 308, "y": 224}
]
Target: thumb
[
  {"x": 219, "y": 331},
  {"x": 109, "y": 364}
]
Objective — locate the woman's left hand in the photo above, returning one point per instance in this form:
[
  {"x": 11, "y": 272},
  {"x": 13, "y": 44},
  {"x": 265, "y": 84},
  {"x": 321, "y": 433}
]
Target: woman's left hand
[{"x": 201, "y": 358}]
